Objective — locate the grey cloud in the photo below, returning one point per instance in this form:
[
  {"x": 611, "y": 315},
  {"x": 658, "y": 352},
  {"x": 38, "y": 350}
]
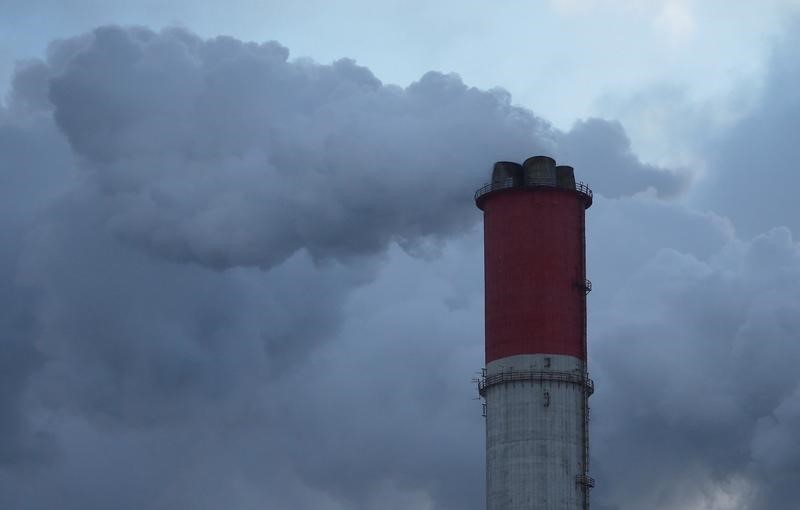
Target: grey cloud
[
  {"x": 32, "y": 153},
  {"x": 158, "y": 341},
  {"x": 225, "y": 153},
  {"x": 753, "y": 166},
  {"x": 697, "y": 347},
  {"x": 20, "y": 444},
  {"x": 211, "y": 259},
  {"x": 647, "y": 225},
  {"x": 425, "y": 432},
  {"x": 698, "y": 356},
  {"x": 206, "y": 145},
  {"x": 603, "y": 145},
  {"x": 711, "y": 349}
]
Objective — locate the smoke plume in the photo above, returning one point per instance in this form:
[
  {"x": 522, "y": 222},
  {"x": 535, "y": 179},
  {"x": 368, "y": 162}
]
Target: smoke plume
[{"x": 233, "y": 279}]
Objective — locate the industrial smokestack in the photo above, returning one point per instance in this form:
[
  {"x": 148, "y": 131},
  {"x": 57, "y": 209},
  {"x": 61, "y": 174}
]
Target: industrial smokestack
[{"x": 535, "y": 381}]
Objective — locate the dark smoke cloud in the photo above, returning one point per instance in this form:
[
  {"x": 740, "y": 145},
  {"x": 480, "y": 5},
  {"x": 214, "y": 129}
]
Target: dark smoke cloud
[
  {"x": 184, "y": 221},
  {"x": 224, "y": 153},
  {"x": 231, "y": 279},
  {"x": 698, "y": 355},
  {"x": 204, "y": 146}
]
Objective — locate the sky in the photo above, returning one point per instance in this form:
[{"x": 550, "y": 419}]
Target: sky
[{"x": 240, "y": 265}]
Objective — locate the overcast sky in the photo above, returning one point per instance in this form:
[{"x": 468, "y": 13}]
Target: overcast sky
[{"x": 240, "y": 265}]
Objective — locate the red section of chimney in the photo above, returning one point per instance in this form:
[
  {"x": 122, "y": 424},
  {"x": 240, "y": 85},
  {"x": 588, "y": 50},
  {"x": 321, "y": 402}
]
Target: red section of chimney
[{"x": 535, "y": 272}]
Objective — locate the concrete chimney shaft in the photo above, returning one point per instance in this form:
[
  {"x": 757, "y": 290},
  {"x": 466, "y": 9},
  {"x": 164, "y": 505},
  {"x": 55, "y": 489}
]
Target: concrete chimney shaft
[{"x": 535, "y": 381}]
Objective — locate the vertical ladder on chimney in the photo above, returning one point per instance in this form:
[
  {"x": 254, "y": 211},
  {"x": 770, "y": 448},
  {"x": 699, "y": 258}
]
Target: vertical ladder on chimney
[{"x": 584, "y": 480}]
